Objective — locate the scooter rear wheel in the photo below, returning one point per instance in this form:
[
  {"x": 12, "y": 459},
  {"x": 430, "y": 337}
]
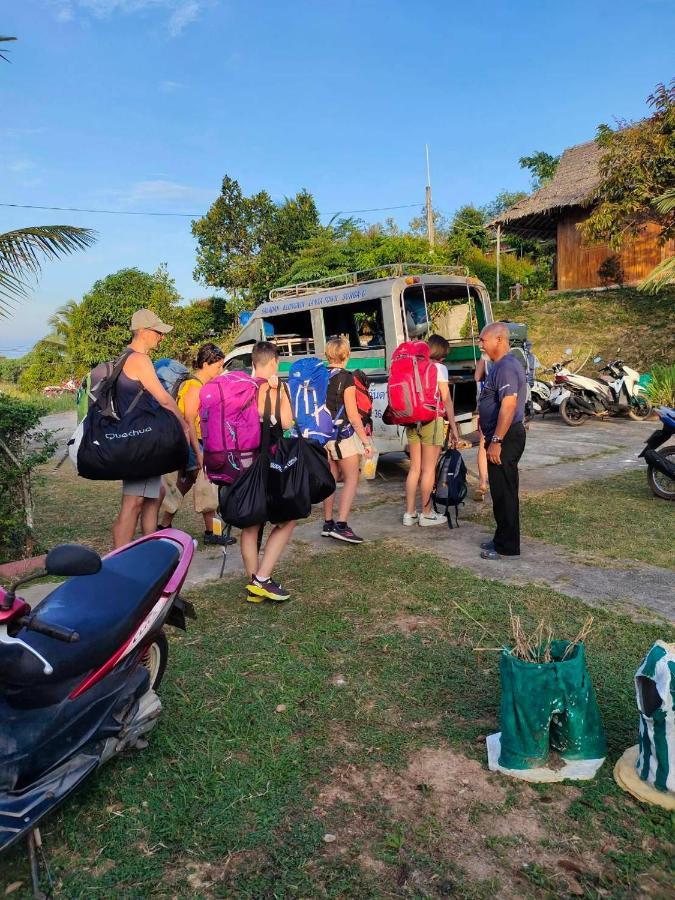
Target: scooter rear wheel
[
  {"x": 660, "y": 485},
  {"x": 571, "y": 415},
  {"x": 155, "y": 658}
]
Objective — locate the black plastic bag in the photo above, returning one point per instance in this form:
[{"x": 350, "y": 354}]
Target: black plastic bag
[
  {"x": 244, "y": 503},
  {"x": 315, "y": 460},
  {"x": 288, "y": 495}
]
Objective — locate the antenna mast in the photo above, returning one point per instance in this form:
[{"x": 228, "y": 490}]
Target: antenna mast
[{"x": 430, "y": 211}]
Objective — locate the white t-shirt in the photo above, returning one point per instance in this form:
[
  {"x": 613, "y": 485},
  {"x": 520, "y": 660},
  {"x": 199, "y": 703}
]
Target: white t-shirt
[{"x": 442, "y": 377}]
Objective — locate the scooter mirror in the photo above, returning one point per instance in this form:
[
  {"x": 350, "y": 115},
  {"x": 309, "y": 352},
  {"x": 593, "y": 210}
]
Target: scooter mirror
[
  {"x": 597, "y": 359},
  {"x": 568, "y": 351},
  {"x": 72, "y": 559}
]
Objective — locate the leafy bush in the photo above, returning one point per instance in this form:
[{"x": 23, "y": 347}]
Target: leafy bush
[
  {"x": 10, "y": 369},
  {"x": 45, "y": 364},
  {"x": 610, "y": 271},
  {"x": 22, "y": 447},
  {"x": 661, "y": 388},
  {"x": 512, "y": 270}
]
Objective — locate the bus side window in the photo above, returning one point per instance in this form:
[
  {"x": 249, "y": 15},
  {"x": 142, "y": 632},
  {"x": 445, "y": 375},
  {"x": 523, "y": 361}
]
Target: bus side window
[
  {"x": 415, "y": 311},
  {"x": 360, "y": 322},
  {"x": 243, "y": 363}
]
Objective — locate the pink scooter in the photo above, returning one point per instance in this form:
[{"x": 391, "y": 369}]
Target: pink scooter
[{"x": 79, "y": 673}]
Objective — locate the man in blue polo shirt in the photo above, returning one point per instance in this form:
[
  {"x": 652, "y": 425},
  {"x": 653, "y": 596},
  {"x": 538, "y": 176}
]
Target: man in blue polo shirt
[{"x": 501, "y": 409}]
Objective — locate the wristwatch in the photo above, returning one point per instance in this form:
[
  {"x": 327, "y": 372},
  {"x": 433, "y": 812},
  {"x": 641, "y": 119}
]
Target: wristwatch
[{"x": 496, "y": 440}]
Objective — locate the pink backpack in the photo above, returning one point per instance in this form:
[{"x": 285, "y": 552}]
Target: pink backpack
[
  {"x": 413, "y": 384},
  {"x": 230, "y": 423}
]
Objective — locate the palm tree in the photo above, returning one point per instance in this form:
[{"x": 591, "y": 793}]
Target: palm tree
[
  {"x": 664, "y": 273},
  {"x": 22, "y": 251}
]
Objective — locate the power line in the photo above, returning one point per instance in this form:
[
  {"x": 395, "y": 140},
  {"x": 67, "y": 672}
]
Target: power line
[{"x": 123, "y": 212}]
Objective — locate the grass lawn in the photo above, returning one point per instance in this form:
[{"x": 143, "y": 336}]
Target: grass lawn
[
  {"x": 612, "y": 518},
  {"x": 625, "y": 323},
  {"x": 263, "y": 752}
]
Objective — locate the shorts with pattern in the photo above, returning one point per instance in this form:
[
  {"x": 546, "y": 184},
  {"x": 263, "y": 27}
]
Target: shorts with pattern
[{"x": 431, "y": 434}]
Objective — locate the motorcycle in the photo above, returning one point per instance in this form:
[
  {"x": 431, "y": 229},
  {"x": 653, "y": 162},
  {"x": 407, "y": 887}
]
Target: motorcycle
[
  {"x": 661, "y": 463},
  {"x": 79, "y": 673},
  {"x": 618, "y": 393},
  {"x": 547, "y": 396}
]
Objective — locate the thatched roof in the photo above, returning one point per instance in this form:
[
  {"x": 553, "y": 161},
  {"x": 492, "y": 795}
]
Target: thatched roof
[{"x": 573, "y": 184}]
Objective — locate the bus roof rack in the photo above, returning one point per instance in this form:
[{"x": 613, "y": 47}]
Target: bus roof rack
[{"x": 345, "y": 279}]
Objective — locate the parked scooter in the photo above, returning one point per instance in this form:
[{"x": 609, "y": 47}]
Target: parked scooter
[
  {"x": 80, "y": 672},
  {"x": 547, "y": 396},
  {"x": 621, "y": 392},
  {"x": 661, "y": 463}
]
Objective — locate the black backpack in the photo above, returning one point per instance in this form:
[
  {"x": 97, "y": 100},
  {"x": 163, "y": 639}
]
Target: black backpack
[{"x": 450, "y": 487}]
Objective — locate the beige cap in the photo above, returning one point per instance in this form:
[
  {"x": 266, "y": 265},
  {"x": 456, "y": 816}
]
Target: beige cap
[{"x": 146, "y": 318}]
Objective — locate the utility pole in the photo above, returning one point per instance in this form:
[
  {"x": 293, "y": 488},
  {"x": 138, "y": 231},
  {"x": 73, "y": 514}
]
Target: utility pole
[
  {"x": 430, "y": 210},
  {"x": 499, "y": 255}
]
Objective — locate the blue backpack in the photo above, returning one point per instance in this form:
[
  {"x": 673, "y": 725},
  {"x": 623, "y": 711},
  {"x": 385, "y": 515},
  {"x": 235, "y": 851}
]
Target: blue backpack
[
  {"x": 308, "y": 384},
  {"x": 172, "y": 374}
]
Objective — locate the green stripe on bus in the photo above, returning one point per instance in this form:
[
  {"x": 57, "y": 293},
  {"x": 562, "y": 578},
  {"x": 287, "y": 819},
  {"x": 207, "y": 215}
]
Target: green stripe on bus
[{"x": 370, "y": 362}]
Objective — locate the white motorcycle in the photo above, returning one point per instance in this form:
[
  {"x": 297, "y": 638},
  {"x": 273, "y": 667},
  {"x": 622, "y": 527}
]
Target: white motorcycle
[
  {"x": 616, "y": 394},
  {"x": 545, "y": 396}
]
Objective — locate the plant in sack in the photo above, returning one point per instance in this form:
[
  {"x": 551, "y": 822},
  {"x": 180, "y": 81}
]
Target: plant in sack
[
  {"x": 548, "y": 702},
  {"x": 146, "y": 441}
]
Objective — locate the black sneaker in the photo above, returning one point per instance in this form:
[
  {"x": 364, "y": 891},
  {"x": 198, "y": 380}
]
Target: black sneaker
[
  {"x": 328, "y": 528},
  {"x": 217, "y": 540},
  {"x": 345, "y": 533}
]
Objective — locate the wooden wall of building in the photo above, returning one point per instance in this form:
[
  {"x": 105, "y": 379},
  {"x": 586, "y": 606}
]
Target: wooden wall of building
[{"x": 577, "y": 263}]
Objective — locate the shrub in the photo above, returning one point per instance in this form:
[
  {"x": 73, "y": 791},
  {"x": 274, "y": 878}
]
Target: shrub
[
  {"x": 512, "y": 270},
  {"x": 611, "y": 271},
  {"x": 22, "y": 447},
  {"x": 661, "y": 388}
]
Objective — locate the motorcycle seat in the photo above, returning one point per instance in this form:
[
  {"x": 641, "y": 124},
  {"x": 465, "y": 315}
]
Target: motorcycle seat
[{"x": 104, "y": 609}]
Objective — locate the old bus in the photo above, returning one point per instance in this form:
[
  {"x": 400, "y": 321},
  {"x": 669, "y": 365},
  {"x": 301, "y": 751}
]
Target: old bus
[{"x": 377, "y": 310}]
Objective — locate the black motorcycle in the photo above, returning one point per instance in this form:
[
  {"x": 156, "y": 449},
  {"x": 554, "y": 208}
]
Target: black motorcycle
[{"x": 661, "y": 463}]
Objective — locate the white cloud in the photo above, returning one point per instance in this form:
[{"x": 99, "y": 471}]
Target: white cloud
[
  {"x": 181, "y": 13},
  {"x": 169, "y": 87},
  {"x": 159, "y": 190},
  {"x": 20, "y": 165}
]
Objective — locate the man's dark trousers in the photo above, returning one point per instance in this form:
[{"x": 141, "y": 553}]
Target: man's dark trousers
[{"x": 504, "y": 490}]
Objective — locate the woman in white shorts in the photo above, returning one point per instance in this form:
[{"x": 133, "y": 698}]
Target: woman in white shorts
[{"x": 344, "y": 453}]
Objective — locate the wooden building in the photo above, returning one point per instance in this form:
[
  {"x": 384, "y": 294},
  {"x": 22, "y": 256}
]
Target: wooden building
[{"x": 554, "y": 211}]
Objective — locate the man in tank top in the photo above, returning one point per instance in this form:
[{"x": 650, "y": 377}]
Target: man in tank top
[{"x": 142, "y": 499}]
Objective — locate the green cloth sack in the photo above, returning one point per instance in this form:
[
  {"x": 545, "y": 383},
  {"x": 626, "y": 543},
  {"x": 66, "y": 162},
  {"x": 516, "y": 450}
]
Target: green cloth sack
[{"x": 548, "y": 706}]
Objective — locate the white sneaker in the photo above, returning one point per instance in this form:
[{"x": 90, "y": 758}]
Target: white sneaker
[
  {"x": 410, "y": 518},
  {"x": 432, "y": 518}
]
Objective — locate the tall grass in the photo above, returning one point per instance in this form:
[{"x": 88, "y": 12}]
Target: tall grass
[
  {"x": 661, "y": 388},
  {"x": 64, "y": 403}
]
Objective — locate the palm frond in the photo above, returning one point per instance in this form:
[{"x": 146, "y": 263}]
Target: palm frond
[
  {"x": 3, "y": 55},
  {"x": 666, "y": 202},
  {"x": 659, "y": 278},
  {"x": 23, "y": 251}
]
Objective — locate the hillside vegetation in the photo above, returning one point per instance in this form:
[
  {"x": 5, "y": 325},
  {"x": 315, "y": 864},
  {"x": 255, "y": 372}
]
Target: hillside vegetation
[{"x": 615, "y": 323}]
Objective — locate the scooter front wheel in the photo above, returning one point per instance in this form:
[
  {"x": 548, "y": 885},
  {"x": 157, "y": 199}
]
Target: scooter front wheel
[
  {"x": 640, "y": 408},
  {"x": 155, "y": 657},
  {"x": 659, "y": 483},
  {"x": 571, "y": 414}
]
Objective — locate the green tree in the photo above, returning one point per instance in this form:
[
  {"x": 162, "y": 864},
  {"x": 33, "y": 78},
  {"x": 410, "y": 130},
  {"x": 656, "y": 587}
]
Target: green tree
[
  {"x": 663, "y": 274},
  {"x": 467, "y": 229},
  {"x": 503, "y": 201},
  {"x": 244, "y": 244},
  {"x": 637, "y": 169},
  {"x": 542, "y": 167},
  {"x": 100, "y": 324}
]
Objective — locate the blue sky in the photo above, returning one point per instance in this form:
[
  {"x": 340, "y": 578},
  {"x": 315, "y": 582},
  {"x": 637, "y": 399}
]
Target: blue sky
[{"x": 145, "y": 104}]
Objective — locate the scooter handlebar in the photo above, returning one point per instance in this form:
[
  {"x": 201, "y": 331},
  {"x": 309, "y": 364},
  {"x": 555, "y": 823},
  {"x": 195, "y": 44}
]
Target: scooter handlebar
[{"x": 52, "y": 631}]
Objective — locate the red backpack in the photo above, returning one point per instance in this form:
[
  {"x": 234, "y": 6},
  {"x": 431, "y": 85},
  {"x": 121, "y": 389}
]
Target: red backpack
[
  {"x": 413, "y": 385},
  {"x": 364, "y": 402}
]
